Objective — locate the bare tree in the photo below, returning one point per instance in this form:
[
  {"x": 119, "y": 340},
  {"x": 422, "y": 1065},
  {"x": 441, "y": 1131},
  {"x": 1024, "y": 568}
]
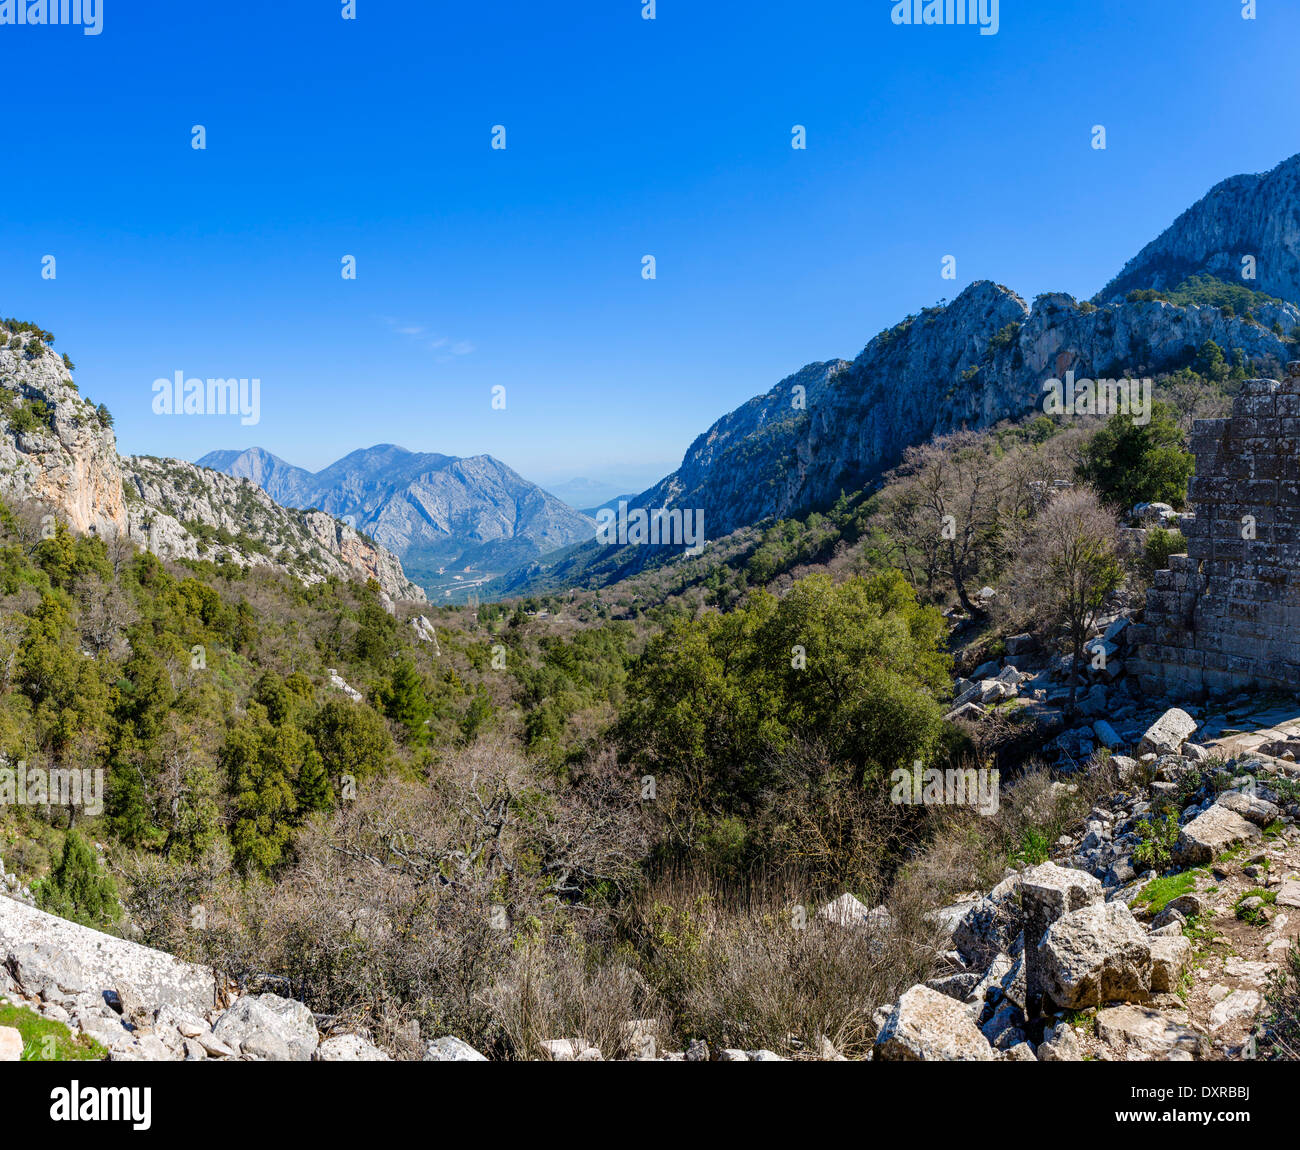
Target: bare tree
[{"x": 1066, "y": 564}]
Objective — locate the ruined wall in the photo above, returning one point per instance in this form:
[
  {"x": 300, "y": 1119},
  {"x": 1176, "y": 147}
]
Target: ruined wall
[{"x": 1227, "y": 614}]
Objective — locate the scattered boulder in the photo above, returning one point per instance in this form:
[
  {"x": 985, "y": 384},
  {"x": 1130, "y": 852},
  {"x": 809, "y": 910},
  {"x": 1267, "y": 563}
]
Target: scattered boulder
[
  {"x": 340, "y": 684},
  {"x": 269, "y": 1028},
  {"x": 1107, "y": 736},
  {"x": 1060, "y": 1044},
  {"x": 1048, "y": 893},
  {"x": 1170, "y": 956},
  {"x": 1250, "y": 807},
  {"x": 1096, "y": 955},
  {"x": 1147, "y": 1030},
  {"x": 1240, "y": 1004},
  {"x": 349, "y": 1048},
  {"x": 451, "y": 1049},
  {"x": 991, "y": 926},
  {"x": 1168, "y": 733},
  {"x": 1209, "y": 833},
  {"x": 569, "y": 1050},
  {"x": 926, "y": 1026},
  {"x": 849, "y": 911}
]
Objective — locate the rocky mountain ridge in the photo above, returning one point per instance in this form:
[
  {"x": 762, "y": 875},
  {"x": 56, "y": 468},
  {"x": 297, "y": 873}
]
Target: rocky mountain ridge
[
  {"x": 835, "y": 427},
  {"x": 1245, "y": 217},
  {"x": 59, "y": 449}
]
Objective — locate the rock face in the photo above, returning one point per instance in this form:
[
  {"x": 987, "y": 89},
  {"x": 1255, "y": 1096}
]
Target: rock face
[
  {"x": 1096, "y": 955},
  {"x": 180, "y": 510},
  {"x": 1246, "y": 215},
  {"x": 432, "y": 510},
  {"x": 982, "y": 358},
  {"x": 42, "y": 951},
  {"x": 926, "y": 1026},
  {"x": 68, "y": 458},
  {"x": 1227, "y": 613},
  {"x": 56, "y": 449}
]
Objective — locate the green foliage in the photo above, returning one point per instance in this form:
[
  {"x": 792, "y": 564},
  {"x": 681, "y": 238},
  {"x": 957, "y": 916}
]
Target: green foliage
[
  {"x": 405, "y": 701},
  {"x": 1005, "y": 337},
  {"x": 1160, "y": 892},
  {"x": 1156, "y": 840},
  {"x": 858, "y": 667},
  {"x": 29, "y": 416},
  {"x": 1255, "y": 914},
  {"x": 47, "y": 1040},
  {"x": 277, "y": 778},
  {"x": 1034, "y": 847},
  {"x": 351, "y": 739},
  {"x": 1160, "y": 544},
  {"x": 1130, "y": 464},
  {"x": 77, "y": 887}
]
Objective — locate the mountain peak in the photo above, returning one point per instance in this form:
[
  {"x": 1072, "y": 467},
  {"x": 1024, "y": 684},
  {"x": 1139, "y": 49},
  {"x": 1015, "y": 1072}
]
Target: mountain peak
[{"x": 1245, "y": 230}]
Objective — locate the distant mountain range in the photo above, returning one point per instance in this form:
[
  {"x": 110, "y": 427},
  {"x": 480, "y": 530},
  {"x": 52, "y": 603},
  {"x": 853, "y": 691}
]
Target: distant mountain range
[
  {"x": 588, "y": 494},
  {"x": 453, "y": 522}
]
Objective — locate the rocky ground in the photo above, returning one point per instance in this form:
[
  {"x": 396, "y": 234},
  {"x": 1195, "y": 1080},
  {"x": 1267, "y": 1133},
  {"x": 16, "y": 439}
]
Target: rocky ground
[{"x": 1094, "y": 955}]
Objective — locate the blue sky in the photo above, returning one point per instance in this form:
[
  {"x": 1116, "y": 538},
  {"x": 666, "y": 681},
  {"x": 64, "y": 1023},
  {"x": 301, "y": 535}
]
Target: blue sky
[{"x": 625, "y": 137}]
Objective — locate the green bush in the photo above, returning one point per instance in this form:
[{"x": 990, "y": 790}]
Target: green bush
[
  {"x": 1130, "y": 464},
  {"x": 1156, "y": 842},
  {"x": 1159, "y": 546},
  {"x": 77, "y": 888}
]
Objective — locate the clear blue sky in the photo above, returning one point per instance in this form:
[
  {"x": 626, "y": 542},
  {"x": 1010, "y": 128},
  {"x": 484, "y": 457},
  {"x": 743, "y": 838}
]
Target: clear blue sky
[{"x": 626, "y": 137}]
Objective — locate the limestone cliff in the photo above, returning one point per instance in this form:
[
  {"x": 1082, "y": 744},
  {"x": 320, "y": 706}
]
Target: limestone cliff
[
  {"x": 1247, "y": 215},
  {"x": 56, "y": 447},
  {"x": 837, "y": 426},
  {"x": 59, "y": 449}
]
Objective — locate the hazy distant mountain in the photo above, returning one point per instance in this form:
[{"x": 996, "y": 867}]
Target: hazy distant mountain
[
  {"x": 434, "y": 511},
  {"x": 611, "y": 504}
]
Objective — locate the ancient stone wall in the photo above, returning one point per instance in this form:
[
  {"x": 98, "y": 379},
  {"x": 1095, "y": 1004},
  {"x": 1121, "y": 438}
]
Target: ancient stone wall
[{"x": 1227, "y": 614}]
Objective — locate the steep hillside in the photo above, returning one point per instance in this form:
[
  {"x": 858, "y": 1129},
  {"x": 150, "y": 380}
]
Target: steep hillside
[
  {"x": 1247, "y": 215},
  {"x": 56, "y": 446},
  {"x": 182, "y": 511},
  {"x": 59, "y": 449},
  {"x": 979, "y": 360}
]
